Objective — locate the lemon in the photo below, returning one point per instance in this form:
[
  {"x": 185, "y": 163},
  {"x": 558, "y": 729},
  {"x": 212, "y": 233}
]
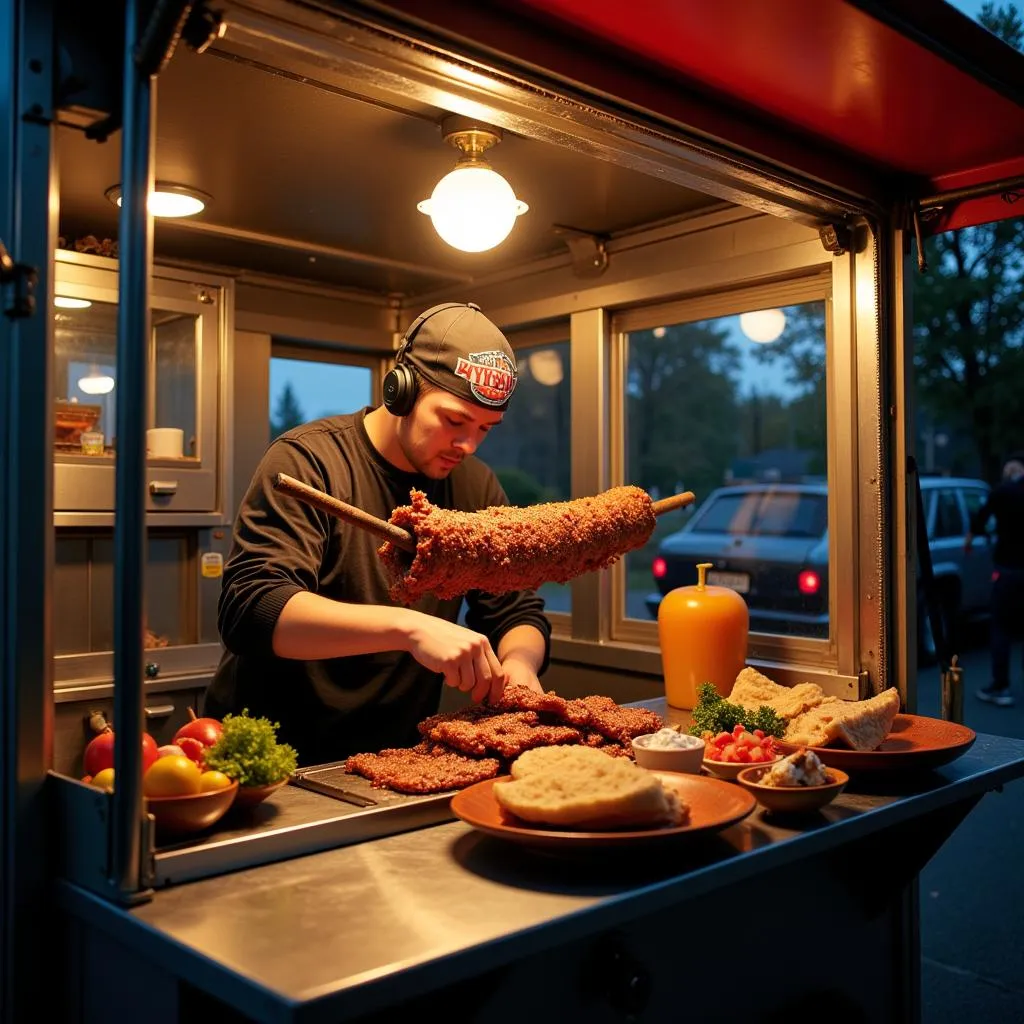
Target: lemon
[{"x": 104, "y": 779}]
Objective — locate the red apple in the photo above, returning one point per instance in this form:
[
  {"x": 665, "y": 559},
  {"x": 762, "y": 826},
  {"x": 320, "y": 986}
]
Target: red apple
[
  {"x": 170, "y": 750},
  {"x": 99, "y": 754},
  {"x": 193, "y": 749},
  {"x": 206, "y": 730}
]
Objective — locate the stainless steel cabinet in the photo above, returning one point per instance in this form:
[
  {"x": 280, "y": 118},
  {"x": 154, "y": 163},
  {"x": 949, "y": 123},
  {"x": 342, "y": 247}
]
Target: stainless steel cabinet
[{"x": 187, "y": 345}]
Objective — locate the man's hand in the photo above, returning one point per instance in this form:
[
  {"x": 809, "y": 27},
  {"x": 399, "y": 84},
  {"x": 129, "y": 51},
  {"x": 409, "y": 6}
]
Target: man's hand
[{"x": 465, "y": 659}]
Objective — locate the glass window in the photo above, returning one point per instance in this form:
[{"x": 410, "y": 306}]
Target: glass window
[
  {"x": 974, "y": 498},
  {"x": 530, "y": 451},
  {"x": 308, "y": 389},
  {"x": 949, "y": 520},
  {"x": 85, "y": 377},
  {"x": 733, "y": 400}
]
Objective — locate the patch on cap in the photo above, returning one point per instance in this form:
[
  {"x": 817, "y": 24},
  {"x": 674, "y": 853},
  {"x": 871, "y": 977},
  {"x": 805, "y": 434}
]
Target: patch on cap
[{"x": 491, "y": 376}]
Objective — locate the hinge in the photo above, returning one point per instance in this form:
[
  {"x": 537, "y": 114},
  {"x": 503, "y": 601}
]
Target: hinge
[{"x": 24, "y": 279}]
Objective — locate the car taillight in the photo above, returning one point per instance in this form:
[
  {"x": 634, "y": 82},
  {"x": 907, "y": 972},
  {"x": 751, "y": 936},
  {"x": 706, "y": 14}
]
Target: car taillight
[
  {"x": 659, "y": 568},
  {"x": 808, "y": 582}
]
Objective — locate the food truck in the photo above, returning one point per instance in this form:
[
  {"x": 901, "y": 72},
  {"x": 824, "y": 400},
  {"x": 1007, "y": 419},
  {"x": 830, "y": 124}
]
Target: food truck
[{"x": 673, "y": 165}]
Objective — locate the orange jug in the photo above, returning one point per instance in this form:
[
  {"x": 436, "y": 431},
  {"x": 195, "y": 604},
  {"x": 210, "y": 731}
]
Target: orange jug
[{"x": 703, "y": 635}]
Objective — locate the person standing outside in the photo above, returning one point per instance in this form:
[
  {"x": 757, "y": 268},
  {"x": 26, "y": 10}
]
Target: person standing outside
[
  {"x": 1006, "y": 504},
  {"x": 312, "y": 639}
]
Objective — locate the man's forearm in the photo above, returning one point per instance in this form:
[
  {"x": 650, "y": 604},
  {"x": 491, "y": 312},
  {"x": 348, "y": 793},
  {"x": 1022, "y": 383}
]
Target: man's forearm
[
  {"x": 313, "y": 628},
  {"x": 525, "y": 643}
]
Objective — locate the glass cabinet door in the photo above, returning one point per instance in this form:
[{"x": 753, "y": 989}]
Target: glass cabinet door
[{"x": 183, "y": 347}]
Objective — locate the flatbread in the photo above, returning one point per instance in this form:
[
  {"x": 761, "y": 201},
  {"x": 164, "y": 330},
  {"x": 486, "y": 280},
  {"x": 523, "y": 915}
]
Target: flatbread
[
  {"x": 753, "y": 690},
  {"x": 859, "y": 725}
]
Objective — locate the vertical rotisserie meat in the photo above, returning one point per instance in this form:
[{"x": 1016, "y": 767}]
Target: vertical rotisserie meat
[{"x": 510, "y": 548}]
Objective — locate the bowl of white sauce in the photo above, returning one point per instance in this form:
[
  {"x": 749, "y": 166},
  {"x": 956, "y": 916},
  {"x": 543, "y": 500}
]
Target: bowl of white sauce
[{"x": 668, "y": 750}]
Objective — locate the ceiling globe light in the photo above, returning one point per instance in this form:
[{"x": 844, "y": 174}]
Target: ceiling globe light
[
  {"x": 96, "y": 383},
  {"x": 472, "y": 208},
  {"x": 764, "y": 325},
  {"x": 168, "y": 199},
  {"x": 66, "y": 302}
]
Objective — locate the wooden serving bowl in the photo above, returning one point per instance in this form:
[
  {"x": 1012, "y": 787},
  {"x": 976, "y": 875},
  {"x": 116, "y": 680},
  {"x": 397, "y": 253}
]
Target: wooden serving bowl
[
  {"x": 250, "y": 796},
  {"x": 731, "y": 770},
  {"x": 176, "y": 815},
  {"x": 792, "y": 799}
]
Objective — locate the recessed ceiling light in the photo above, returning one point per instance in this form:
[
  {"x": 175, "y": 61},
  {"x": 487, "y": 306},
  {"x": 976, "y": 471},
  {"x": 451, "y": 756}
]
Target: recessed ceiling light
[
  {"x": 66, "y": 302},
  {"x": 168, "y": 199}
]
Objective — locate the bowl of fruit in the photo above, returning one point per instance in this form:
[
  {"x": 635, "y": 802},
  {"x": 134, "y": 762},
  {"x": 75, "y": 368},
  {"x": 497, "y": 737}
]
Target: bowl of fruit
[
  {"x": 182, "y": 792},
  {"x": 726, "y": 754}
]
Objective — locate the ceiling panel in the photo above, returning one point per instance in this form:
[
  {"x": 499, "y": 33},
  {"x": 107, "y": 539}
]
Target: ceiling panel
[{"x": 295, "y": 161}]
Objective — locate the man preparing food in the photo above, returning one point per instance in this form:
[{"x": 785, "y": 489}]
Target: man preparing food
[{"x": 314, "y": 641}]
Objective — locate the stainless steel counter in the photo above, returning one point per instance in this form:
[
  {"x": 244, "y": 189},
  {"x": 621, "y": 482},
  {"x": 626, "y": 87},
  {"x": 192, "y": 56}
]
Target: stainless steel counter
[{"x": 344, "y": 932}]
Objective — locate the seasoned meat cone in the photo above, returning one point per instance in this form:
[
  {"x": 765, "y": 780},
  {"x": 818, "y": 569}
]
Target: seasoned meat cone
[{"x": 510, "y": 548}]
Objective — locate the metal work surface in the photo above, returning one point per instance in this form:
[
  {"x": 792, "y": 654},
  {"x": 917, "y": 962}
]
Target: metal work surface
[
  {"x": 380, "y": 922},
  {"x": 293, "y": 822}
]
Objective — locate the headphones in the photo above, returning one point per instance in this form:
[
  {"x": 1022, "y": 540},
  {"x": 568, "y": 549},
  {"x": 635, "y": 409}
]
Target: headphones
[{"x": 399, "y": 386}]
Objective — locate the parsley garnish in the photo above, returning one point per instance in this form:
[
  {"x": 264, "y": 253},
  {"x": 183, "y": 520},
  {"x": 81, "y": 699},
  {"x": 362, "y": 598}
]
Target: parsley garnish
[{"x": 715, "y": 714}]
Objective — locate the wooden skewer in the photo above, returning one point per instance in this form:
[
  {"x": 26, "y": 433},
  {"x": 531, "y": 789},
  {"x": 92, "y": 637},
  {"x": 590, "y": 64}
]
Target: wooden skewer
[
  {"x": 672, "y": 502},
  {"x": 333, "y": 506},
  {"x": 403, "y": 539}
]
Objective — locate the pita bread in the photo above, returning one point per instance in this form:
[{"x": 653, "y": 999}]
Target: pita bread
[
  {"x": 752, "y": 690},
  {"x": 859, "y": 725},
  {"x": 578, "y": 787}
]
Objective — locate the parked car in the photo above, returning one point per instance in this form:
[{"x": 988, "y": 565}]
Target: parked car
[{"x": 769, "y": 542}]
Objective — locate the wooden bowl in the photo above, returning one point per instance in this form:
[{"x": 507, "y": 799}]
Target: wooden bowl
[
  {"x": 176, "y": 815},
  {"x": 730, "y": 770},
  {"x": 250, "y": 796},
  {"x": 792, "y": 799}
]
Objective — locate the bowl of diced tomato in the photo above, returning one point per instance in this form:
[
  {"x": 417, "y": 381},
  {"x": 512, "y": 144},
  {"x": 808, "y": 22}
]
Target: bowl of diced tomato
[{"x": 726, "y": 754}]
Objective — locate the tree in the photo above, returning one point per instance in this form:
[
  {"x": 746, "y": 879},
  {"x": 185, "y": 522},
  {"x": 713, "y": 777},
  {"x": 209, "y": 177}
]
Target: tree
[
  {"x": 679, "y": 395},
  {"x": 798, "y": 423},
  {"x": 969, "y": 324},
  {"x": 287, "y": 414}
]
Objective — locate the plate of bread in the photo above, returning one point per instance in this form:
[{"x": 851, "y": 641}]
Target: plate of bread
[
  {"x": 854, "y": 736},
  {"x": 576, "y": 796}
]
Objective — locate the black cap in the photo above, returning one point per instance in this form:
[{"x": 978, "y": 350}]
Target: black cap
[{"x": 455, "y": 347}]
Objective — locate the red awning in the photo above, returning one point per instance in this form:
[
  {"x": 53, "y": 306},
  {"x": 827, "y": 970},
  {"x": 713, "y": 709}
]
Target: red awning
[
  {"x": 927, "y": 93},
  {"x": 894, "y": 99}
]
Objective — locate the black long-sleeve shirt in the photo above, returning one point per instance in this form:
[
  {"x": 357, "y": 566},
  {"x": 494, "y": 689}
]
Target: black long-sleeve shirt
[
  {"x": 1006, "y": 503},
  {"x": 329, "y": 709}
]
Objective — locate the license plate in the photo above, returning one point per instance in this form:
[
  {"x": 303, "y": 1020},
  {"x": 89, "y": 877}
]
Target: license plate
[{"x": 738, "y": 581}]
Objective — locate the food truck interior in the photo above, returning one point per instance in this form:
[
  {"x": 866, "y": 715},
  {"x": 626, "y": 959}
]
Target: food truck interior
[
  {"x": 671, "y": 215},
  {"x": 311, "y": 248}
]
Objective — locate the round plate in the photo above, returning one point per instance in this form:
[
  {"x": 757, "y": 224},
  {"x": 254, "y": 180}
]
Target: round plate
[
  {"x": 713, "y": 805},
  {"x": 915, "y": 743}
]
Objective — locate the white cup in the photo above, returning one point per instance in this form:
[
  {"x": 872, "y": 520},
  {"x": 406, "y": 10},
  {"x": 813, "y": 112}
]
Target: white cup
[{"x": 165, "y": 443}]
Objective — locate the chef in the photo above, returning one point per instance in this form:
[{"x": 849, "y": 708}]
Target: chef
[{"x": 312, "y": 639}]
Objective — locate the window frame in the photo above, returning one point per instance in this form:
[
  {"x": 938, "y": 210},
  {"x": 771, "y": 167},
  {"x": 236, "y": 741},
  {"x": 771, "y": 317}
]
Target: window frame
[{"x": 816, "y": 286}]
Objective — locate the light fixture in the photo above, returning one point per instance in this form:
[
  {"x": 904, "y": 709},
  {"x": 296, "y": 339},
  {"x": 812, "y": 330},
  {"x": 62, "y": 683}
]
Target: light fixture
[
  {"x": 660, "y": 332},
  {"x": 66, "y": 302},
  {"x": 96, "y": 383},
  {"x": 473, "y": 208},
  {"x": 764, "y": 325},
  {"x": 168, "y": 199}
]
